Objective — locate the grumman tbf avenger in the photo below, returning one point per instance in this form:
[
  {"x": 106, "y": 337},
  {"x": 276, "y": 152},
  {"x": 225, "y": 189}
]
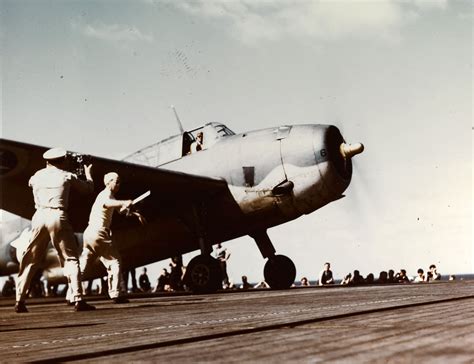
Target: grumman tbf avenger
[{"x": 238, "y": 184}]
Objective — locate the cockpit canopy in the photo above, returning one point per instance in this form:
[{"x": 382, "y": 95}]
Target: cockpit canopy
[{"x": 179, "y": 146}]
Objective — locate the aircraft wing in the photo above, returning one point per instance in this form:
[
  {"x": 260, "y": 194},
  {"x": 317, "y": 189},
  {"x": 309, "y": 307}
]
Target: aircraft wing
[{"x": 172, "y": 193}]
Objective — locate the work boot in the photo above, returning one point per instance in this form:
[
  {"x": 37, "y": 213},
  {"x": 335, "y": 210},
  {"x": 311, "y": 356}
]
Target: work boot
[
  {"x": 20, "y": 307},
  {"x": 121, "y": 300},
  {"x": 83, "y": 306}
]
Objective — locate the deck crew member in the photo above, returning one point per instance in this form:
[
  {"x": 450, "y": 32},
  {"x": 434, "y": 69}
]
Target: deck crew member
[
  {"x": 433, "y": 274},
  {"x": 98, "y": 241},
  {"x": 325, "y": 276},
  {"x": 144, "y": 281},
  {"x": 223, "y": 255},
  {"x": 51, "y": 187}
]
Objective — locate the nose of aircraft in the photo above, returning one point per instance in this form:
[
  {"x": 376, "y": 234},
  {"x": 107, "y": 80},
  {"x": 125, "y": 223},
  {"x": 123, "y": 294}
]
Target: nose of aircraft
[
  {"x": 350, "y": 150},
  {"x": 340, "y": 156}
]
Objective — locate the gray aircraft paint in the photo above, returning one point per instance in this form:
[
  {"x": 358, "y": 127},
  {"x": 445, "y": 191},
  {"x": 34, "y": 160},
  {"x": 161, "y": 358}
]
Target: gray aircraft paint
[
  {"x": 253, "y": 164},
  {"x": 274, "y": 155}
]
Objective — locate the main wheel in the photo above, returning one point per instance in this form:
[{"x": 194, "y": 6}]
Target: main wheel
[
  {"x": 279, "y": 272},
  {"x": 204, "y": 274}
]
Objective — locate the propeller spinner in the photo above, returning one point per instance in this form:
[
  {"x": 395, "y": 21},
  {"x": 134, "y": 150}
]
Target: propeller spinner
[{"x": 350, "y": 150}]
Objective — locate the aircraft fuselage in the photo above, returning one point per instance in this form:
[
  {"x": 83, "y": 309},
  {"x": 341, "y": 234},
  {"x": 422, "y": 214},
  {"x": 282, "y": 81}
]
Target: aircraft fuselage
[{"x": 272, "y": 175}]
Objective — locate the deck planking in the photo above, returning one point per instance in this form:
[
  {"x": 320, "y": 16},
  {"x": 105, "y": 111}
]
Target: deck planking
[{"x": 392, "y": 323}]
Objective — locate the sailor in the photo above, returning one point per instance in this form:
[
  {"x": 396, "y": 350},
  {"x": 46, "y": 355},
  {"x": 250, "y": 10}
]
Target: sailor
[
  {"x": 51, "y": 187},
  {"x": 223, "y": 255},
  {"x": 98, "y": 241},
  {"x": 325, "y": 276}
]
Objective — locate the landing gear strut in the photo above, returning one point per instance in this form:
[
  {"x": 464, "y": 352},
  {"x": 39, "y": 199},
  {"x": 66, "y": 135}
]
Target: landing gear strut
[
  {"x": 203, "y": 273},
  {"x": 279, "y": 270}
]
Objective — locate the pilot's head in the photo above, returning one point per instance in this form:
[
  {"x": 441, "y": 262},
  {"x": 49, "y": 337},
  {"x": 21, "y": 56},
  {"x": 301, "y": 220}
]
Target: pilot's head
[
  {"x": 200, "y": 136},
  {"x": 112, "y": 181}
]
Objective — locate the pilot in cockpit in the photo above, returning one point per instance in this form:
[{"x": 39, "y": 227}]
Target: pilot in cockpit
[{"x": 198, "y": 144}]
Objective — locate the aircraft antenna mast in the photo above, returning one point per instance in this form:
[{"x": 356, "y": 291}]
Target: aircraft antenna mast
[{"x": 177, "y": 119}]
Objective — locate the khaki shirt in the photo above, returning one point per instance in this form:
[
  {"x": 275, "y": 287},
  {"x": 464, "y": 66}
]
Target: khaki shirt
[{"x": 51, "y": 187}]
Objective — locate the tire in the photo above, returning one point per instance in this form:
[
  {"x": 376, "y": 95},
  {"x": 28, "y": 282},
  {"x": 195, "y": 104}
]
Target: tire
[
  {"x": 279, "y": 272},
  {"x": 203, "y": 274}
]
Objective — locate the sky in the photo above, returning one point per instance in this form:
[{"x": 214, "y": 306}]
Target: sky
[{"x": 99, "y": 77}]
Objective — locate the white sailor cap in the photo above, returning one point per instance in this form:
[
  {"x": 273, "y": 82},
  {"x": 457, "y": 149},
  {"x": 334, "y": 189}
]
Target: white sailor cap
[{"x": 54, "y": 153}]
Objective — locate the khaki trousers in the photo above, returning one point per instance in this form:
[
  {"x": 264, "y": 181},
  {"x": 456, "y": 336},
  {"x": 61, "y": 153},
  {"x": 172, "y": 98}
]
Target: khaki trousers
[
  {"x": 98, "y": 244},
  {"x": 50, "y": 224}
]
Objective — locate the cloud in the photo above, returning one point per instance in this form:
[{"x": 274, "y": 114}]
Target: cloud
[
  {"x": 114, "y": 33},
  {"x": 253, "y": 21},
  {"x": 431, "y": 4}
]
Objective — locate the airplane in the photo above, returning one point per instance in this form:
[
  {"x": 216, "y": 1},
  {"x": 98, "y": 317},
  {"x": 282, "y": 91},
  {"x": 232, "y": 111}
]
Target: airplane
[{"x": 237, "y": 185}]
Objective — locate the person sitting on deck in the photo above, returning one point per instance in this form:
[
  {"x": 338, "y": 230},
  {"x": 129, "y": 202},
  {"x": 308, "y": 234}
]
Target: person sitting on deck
[
  {"x": 144, "y": 282},
  {"x": 163, "y": 282},
  {"x": 402, "y": 276},
  {"x": 370, "y": 278},
  {"x": 420, "y": 277},
  {"x": 391, "y": 276},
  {"x": 304, "y": 282},
  {"x": 383, "y": 277},
  {"x": 357, "y": 279},
  {"x": 433, "y": 275},
  {"x": 347, "y": 279},
  {"x": 245, "y": 283},
  {"x": 325, "y": 276}
]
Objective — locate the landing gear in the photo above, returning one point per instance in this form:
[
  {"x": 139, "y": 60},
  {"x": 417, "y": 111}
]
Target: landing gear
[
  {"x": 204, "y": 274},
  {"x": 279, "y": 271}
]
